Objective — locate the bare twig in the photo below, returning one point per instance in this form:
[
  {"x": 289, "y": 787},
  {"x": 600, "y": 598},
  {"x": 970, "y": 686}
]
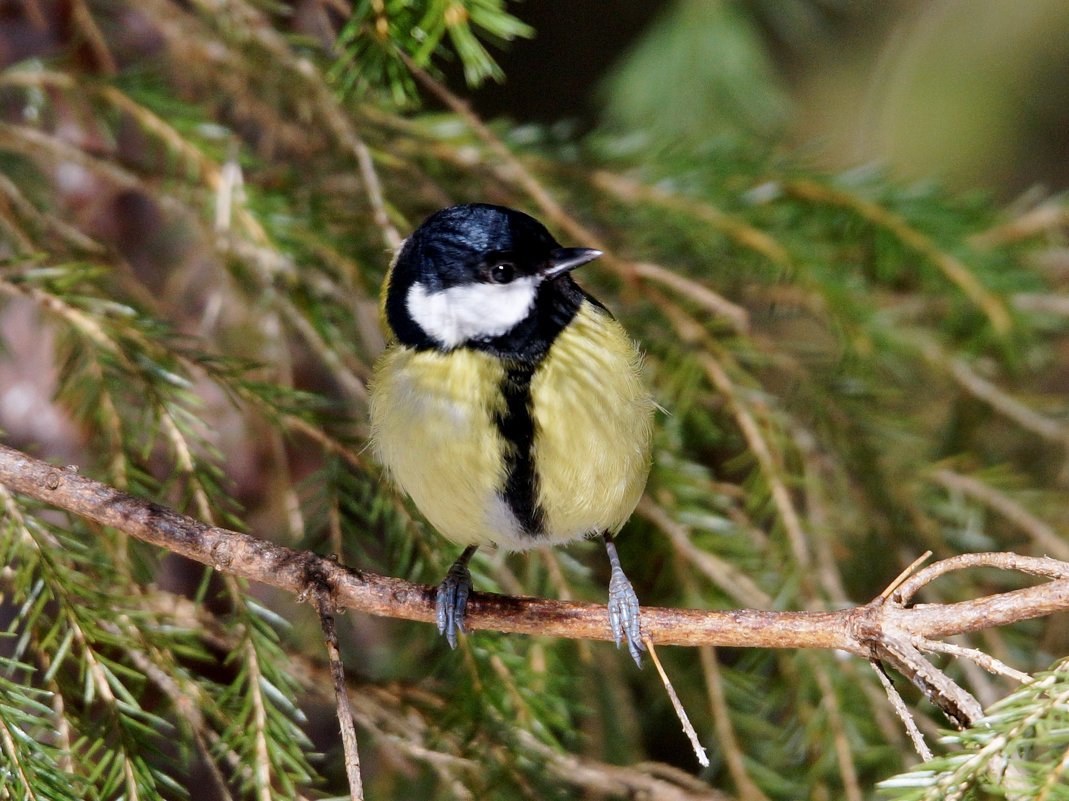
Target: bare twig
[
  {"x": 677, "y": 705},
  {"x": 905, "y": 574},
  {"x": 1033, "y": 565},
  {"x": 324, "y": 606},
  {"x": 903, "y": 713},
  {"x": 986, "y": 661}
]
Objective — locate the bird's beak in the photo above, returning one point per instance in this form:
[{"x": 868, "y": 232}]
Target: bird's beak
[{"x": 564, "y": 260}]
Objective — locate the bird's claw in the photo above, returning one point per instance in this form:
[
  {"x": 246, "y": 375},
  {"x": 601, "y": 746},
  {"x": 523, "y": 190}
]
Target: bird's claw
[
  {"x": 452, "y": 601},
  {"x": 624, "y": 614}
]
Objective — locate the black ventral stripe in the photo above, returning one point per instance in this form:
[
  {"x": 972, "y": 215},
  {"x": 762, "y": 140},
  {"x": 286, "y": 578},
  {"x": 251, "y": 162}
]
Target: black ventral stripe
[
  {"x": 516, "y": 426},
  {"x": 523, "y": 349}
]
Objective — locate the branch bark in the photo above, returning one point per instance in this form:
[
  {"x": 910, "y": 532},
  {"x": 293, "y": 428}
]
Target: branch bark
[{"x": 863, "y": 630}]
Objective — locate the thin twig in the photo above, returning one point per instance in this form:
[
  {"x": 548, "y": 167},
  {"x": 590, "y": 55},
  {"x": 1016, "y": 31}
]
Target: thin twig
[
  {"x": 903, "y": 713},
  {"x": 677, "y": 705},
  {"x": 895, "y": 648},
  {"x": 986, "y": 661},
  {"x": 905, "y": 574},
  {"x": 323, "y": 604},
  {"x": 1033, "y": 565}
]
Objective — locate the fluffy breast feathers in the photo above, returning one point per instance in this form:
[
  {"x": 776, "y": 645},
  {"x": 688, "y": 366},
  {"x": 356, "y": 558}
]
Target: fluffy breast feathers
[
  {"x": 433, "y": 426},
  {"x": 593, "y": 426}
]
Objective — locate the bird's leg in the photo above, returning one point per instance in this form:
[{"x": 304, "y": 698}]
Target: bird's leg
[
  {"x": 453, "y": 597},
  {"x": 623, "y": 605}
]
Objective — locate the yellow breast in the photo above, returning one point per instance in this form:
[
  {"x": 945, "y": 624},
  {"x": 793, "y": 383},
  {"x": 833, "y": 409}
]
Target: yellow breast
[
  {"x": 433, "y": 426},
  {"x": 593, "y": 425}
]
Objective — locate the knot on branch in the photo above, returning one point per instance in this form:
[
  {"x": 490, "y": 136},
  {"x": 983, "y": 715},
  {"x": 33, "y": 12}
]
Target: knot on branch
[{"x": 318, "y": 585}]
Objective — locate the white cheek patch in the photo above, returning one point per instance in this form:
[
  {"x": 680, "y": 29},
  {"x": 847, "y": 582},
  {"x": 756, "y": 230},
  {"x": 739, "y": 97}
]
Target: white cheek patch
[{"x": 472, "y": 311}]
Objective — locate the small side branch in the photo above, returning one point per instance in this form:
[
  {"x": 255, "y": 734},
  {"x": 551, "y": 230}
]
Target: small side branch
[
  {"x": 900, "y": 708},
  {"x": 324, "y": 606},
  {"x": 677, "y": 705}
]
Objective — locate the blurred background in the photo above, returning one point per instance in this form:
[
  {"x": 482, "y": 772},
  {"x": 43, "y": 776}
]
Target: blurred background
[
  {"x": 974, "y": 93},
  {"x": 854, "y": 210}
]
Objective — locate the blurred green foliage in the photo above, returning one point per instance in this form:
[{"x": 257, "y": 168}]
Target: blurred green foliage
[{"x": 196, "y": 216}]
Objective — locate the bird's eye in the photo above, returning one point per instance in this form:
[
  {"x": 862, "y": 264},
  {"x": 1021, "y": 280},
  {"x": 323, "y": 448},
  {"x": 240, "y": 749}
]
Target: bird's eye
[{"x": 502, "y": 272}]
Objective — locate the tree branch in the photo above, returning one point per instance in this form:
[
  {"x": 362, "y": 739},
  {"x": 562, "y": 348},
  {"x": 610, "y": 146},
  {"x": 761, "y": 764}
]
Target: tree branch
[{"x": 865, "y": 630}]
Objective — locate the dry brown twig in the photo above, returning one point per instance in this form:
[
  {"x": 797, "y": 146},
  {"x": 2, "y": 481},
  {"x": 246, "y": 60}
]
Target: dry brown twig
[
  {"x": 323, "y": 603},
  {"x": 887, "y": 629},
  {"x": 677, "y": 705}
]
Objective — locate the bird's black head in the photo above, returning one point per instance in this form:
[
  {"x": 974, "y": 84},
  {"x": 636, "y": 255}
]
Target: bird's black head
[{"x": 486, "y": 277}]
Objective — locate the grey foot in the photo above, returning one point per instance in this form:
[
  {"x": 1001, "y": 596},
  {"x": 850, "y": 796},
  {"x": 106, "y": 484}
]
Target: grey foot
[
  {"x": 623, "y": 614},
  {"x": 453, "y": 600}
]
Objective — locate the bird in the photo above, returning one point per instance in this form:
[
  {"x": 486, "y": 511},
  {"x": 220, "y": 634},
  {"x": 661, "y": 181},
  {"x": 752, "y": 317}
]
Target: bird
[{"x": 509, "y": 403}]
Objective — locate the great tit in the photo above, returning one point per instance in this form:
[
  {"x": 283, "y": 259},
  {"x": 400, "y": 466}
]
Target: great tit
[{"x": 508, "y": 403}]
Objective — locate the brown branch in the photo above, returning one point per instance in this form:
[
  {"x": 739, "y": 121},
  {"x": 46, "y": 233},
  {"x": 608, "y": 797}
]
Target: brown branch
[{"x": 862, "y": 630}]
